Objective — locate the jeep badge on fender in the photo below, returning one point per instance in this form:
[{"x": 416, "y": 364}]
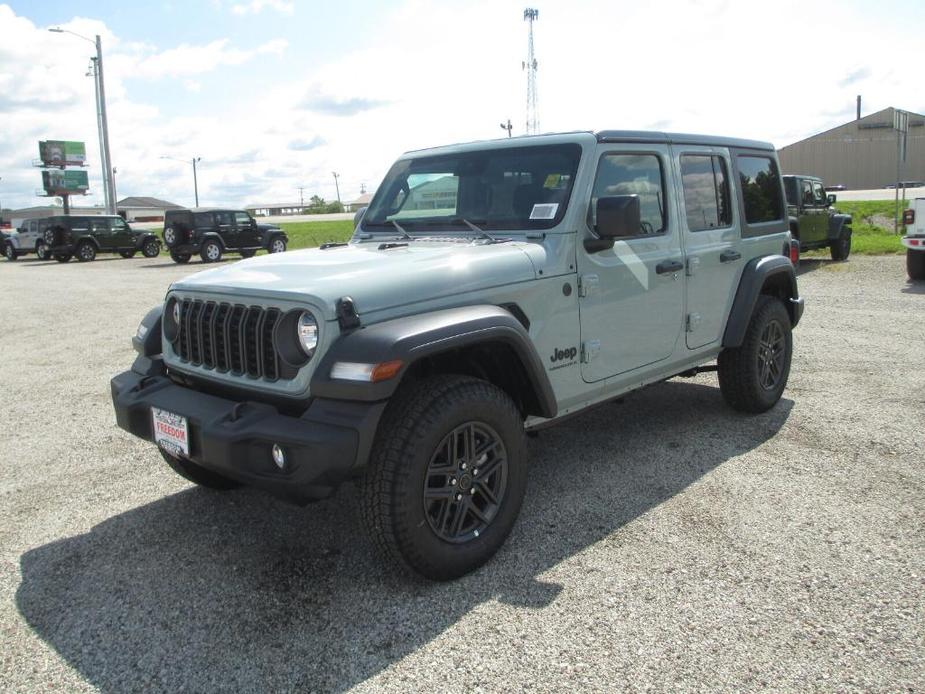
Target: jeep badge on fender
[{"x": 415, "y": 358}]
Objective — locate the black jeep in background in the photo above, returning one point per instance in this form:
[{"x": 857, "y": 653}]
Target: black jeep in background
[
  {"x": 212, "y": 232},
  {"x": 85, "y": 236},
  {"x": 813, "y": 220}
]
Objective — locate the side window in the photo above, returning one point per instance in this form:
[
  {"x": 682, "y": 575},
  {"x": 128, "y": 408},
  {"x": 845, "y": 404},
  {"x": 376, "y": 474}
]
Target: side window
[
  {"x": 818, "y": 193},
  {"x": 242, "y": 219},
  {"x": 761, "y": 189},
  {"x": 632, "y": 174},
  {"x": 202, "y": 219},
  {"x": 706, "y": 191},
  {"x": 118, "y": 224},
  {"x": 222, "y": 218},
  {"x": 99, "y": 226},
  {"x": 807, "y": 188}
]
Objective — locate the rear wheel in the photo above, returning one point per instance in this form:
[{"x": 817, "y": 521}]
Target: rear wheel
[
  {"x": 86, "y": 252},
  {"x": 752, "y": 377},
  {"x": 211, "y": 251},
  {"x": 841, "y": 248},
  {"x": 181, "y": 258},
  {"x": 447, "y": 475},
  {"x": 915, "y": 264},
  {"x": 197, "y": 474},
  {"x": 9, "y": 251},
  {"x": 151, "y": 249},
  {"x": 127, "y": 254},
  {"x": 277, "y": 245}
]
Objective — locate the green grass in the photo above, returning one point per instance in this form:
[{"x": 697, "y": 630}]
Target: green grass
[
  {"x": 872, "y": 228},
  {"x": 311, "y": 234}
]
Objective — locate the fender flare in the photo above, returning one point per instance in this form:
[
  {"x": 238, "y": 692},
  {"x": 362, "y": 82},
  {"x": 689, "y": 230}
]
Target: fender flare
[
  {"x": 205, "y": 237},
  {"x": 837, "y": 223},
  {"x": 144, "y": 238},
  {"x": 85, "y": 237},
  {"x": 272, "y": 234},
  {"x": 413, "y": 338},
  {"x": 774, "y": 270}
]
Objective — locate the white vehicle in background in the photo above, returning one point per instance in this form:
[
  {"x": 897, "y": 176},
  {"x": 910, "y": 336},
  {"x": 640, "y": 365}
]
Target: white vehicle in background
[
  {"x": 914, "y": 240},
  {"x": 27, "y": 238}
]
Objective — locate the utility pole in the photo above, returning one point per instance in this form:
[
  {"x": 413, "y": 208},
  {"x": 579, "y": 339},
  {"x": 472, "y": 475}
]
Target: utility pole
[
  {"x": 196, "y": 180},
  {"x": 530, "y": 65},
  {"x": 336, "y": 186},
  {"x": 301, "y": 199},
  {"x": 507, "y": 126},
  {"x": 901, "y": 126}
]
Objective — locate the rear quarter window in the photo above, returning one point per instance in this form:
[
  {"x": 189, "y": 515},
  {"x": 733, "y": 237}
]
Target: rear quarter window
[{"x": 760, "y": 184}]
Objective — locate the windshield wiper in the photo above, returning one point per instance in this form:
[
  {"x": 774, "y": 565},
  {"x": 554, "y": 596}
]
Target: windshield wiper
[{"x": 404, "y": 233}]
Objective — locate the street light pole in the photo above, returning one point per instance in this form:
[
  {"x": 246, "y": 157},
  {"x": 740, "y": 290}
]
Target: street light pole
[
  {"x": 195, "y": 181},
  {"x": 102, "y": 121}
]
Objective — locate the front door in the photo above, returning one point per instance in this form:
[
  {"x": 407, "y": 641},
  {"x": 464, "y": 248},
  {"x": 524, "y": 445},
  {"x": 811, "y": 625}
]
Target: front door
[
  {"x": 713, "y": 258},
  {"x": 246, "y": 229},
  {"x": 632, "y": 296},
  {"x": 121, "y": 233}
]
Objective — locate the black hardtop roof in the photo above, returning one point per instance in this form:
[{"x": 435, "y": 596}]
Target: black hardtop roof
[
  {"x": 81, "y": 216},
  {"x": 205, "y": 209},
  {"x": 680, "y": 139},
  {"x": 815, "y": 178}
]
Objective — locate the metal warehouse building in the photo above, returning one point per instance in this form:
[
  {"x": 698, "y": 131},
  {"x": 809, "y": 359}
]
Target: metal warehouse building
[{"x": 861, "y": 154}]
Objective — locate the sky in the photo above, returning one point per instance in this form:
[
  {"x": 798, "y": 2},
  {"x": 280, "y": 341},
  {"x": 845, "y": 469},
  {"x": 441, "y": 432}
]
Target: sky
[{"x": 274, "y": 95}]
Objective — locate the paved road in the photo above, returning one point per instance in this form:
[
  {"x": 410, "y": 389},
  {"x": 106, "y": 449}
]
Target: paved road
[{"x": 666, "y": 543}]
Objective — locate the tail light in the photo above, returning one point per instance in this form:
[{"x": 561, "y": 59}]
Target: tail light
[
  {"x": 794, "y": 252},
  {"x": 908, "y": 217}
]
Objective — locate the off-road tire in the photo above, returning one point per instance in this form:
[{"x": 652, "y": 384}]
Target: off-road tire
[
  {"x": 180, "y": 258},
  {"x": 247, "y": 252},
  {"x": 63, "y": 257},
  {"x": 9, "y": 251},
  {"x": 418, "y": 420},
  {"x": 915, "y": 264},
  {"x": 127, "y": 254},
  {"x": 198, "y": 475},
  {"x": 840, "y": 249},
  {"x": 277, "y": 245},
  {"x": 151, "y": 249},
  {"x": 41, "y": 251},
  {"x": 739, "y": 368},
  {"x": 211, "y": 251},
  {"x": 86, "y": 252}
]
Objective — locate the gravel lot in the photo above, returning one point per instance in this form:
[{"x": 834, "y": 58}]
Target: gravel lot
[{"x": 666, "y": 543}]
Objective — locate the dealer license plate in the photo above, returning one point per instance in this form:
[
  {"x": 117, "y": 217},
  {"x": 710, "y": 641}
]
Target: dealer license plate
[{"x": 170, "y": 432}]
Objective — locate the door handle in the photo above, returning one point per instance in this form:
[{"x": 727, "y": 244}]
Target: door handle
[
  {"x": 667, "y": 266},
  {"x": 729, "y": 256}
]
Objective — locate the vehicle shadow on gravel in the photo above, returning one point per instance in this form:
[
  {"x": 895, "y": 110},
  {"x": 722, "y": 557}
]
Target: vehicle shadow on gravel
[{"x": 203, "y": 591}]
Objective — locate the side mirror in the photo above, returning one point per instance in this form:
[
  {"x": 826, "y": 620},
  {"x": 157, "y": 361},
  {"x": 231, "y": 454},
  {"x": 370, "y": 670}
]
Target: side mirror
[
  {"x": 831, "y": 197},
  {"x": 617, "y": 217}
]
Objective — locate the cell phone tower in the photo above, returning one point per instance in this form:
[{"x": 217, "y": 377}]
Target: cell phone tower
[{"x": 533, "y": 118}]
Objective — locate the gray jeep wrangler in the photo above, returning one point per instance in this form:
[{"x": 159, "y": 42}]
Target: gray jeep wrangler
[{"x": 490, "y": 289}]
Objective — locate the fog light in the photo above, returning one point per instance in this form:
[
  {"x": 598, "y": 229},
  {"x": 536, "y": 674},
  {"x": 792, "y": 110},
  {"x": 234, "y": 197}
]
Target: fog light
[{"x": 279, "y": 457}]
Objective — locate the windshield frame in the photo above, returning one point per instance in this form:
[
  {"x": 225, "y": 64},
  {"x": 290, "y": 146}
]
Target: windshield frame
[{"x": 561, "y": 159}]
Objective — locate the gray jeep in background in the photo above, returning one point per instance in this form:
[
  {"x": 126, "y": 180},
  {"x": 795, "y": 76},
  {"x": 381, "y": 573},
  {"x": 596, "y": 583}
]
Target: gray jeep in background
[
  {"x": 814, "y": 223},
  {"x": 28, "y": 238},
  {"x": 490, "y": 289}
]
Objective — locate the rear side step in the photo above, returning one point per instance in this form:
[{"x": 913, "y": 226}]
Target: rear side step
[{"x": 690, "y": 373}]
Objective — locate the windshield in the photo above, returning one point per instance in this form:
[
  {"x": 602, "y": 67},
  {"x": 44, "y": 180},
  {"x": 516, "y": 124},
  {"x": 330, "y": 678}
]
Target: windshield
[{"x": 509, "y": 188}]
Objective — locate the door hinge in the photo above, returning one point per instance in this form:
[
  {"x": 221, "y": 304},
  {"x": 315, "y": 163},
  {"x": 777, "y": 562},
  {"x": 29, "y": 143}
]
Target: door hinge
[
  {"x": 693, "y": 321},
  {"x": 692, "y": 264},
  {"x": 589, "y": 350},
  {"x": 586, "y": 284}
]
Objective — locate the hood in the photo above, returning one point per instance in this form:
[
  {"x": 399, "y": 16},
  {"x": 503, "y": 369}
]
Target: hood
[
  {"x": 267, "y": 227},
  {"x": 375, "y": 279}
]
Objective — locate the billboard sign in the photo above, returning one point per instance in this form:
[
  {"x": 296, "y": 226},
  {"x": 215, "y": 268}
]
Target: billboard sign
[
  {"x": 62, "y": 153},
  {"x": 65, "y": 182}
]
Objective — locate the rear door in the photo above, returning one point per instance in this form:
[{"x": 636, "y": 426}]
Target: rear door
[
  {"x": 713, "y": 259},
  {"x": 246, "y": 230},
  {"x": 102, "y": 232},
  {"x": 631, "y": 296},
  {"x": 224, "y": 224}
]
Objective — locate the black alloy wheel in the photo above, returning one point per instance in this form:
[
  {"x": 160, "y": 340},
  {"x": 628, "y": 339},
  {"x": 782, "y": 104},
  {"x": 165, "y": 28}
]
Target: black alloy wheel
[
  {"x": 772, "y": 350},
  {"x": 151, "y": 249},
  {"x": 465, "y": 482},
  {"x": 86, "y": 252}
]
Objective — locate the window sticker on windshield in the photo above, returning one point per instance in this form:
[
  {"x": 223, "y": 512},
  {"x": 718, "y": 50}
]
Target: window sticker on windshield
[
  {"x": 545, "y": 211},
  {"x": 552, "y": 180}
]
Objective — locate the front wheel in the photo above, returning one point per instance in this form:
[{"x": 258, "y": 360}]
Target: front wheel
[
  {"x": 447, "y": 475},
  {"x": 198, "y": 475},
  {"x": 151, "y": 249},
  {"x": 752, "y": 376},
  {"x": 211, "y": 252},
  {"x": 181, "y": 258},
  {"x": 277, "y": 245},
  {"x": 915, "y": 264},
  {"x": 841, "y": 248},
  {"x": 9, "y": 252},
  {"x": 86, "y": 252}
]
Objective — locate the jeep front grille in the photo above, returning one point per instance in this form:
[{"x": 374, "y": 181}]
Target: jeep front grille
[{"x": 230, "y": 338}]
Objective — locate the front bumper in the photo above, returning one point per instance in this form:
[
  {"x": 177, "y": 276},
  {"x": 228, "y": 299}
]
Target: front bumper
[
  {"x": 797, "y": 305},
  {"x": 324, "y": 447},
  {"x": 915, "y": 243}
]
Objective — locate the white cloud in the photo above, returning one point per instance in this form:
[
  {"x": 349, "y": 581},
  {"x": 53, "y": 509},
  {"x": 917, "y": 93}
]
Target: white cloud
[
  {"x": 196, "y": 60},
  {"x": 258, "y": 6}
]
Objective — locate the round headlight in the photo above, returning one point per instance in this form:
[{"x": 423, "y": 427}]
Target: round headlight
[
  {"x": 176, "y": 312},
  {"x": 307, "y": 330},
  {"x": 172, "y": 320}
]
